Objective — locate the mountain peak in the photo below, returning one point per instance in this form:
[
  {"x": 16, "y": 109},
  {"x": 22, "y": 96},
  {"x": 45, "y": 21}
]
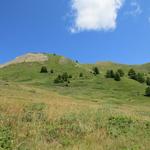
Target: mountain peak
[{"x": 29, "y": 57}]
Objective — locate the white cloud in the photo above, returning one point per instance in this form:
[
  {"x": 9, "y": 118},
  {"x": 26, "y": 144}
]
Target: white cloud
[
  {"x": 135, "y": 9},
  {"x": 95, "y": 14}
]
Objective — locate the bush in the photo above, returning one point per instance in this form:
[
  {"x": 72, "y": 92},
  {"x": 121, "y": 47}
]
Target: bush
[
  {"x": 81, "y": 75},
  {"x": 121, "y": 72},
  {"x": 119, "y": 125},
  {"x": 132, "y": 74},
  {"x": 5, "y": 138},
  {"x": 52, "y": 71},
  {"x": 34, "y": 113},
  {"x": 136, "y": 76},
  {"x": 70, "y": 76},
  {"x": 43, "y": 69},
  {"x": 58, "y": 79},
  {"x": 147, "y": 92},
  {"x": 109, "y": 74},
  {"x": 148, "y": 81},
  {"x": 95, "y": 71},
  {"x": 65, "y": 76},
  {"x": 140, "y": 77},
  {"x": 62, "y": 78},
  {"x": 117, "y": 77}
]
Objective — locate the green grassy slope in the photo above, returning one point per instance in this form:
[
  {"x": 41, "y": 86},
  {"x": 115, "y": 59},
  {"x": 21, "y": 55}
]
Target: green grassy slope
[
  {"x": 31, "y": 71},
  {"x": 88, "y": 87},
  {"x": 91, "y": 113}
]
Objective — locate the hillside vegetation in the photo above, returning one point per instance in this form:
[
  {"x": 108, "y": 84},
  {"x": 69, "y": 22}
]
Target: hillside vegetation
[{"x": 82, "y": 110}]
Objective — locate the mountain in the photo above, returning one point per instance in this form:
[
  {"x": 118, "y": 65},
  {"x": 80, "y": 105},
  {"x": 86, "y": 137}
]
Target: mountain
[
  {"x": 30, "y": 57},
  {"x": 26, "y": 69},
  {"x": 87, "y": 111}
]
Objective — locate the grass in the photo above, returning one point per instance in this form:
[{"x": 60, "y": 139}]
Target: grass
[
  {"x": 42, "y": 119},
  {"x": 91, "y": 113}
]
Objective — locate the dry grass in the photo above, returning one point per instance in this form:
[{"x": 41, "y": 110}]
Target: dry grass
[{"x": 14, "y": 98}]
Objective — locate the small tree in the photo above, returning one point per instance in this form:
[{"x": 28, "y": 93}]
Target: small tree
[
  {"x": 148, "y": 81},
  {"x": 109, "y": 74},
  {"x": 117, "y": 76},
  {"x": 52, "y": 71},
  {"x": 95, "y": 70},
  {"x": 43, "y": 69},
  {"x": 140, "y": 77},
  {"x": 147, "y": 91},
  {"x": 81, "y": 75},
  {"x": 65, "y": 76},
  {"x": 70, "y": 76},
  {"x": 58, "y": 79},
  {"x": 132, "y": 74},
  {"x": 121, "y": 72}
]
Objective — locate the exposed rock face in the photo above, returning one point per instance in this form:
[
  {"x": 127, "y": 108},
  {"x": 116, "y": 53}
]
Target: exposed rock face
[{"x": 30, "y": 57}]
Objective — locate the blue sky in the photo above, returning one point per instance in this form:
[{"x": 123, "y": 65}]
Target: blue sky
[{"x": 84, "y": 30}]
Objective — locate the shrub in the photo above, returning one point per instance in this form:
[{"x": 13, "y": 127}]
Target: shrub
[
  {"x": 58, "y": 79},
  {"x": 62, "y": 78},
  {"x": 81, "y": 75},
  {"x": 109, "y": 74},
  {"x": 147, "y": 92},
  {"x": 43, "y": 69},
  {"x": 65, "y": 76},
  {"x": 121, "y": 72},
  {"x": 95, "y": 71},
  {"x": 52, "y": 71},
  {"x": 28, "y": 116},
  {"x": 117, "y": 77},
  {"x": 148, "y": 81},
  {"x": 70, "y": 76},
  {"x": 119, "y": 125},
  {"x": 34, "y": 112},
  {"x": 140, "y": 77},
  {"x": 132, "y": 74},
  {"x": 66, "y": 84},
  {"x": 5, "y": 138}
]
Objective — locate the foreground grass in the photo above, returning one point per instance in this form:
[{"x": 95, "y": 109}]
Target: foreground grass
[{"x": 35, "y": 118}]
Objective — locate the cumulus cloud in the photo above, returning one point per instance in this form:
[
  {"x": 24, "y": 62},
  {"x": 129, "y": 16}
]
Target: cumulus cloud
[{"x": 95, "y": 14}]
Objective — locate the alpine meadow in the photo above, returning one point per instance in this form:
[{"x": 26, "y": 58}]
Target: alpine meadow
[
  {"x": 58, "y": 103},
  {"x": 74, "y": 74}
]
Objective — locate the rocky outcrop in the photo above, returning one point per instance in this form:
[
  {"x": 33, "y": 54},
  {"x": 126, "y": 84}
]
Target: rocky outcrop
[{"x": 30, "y": 57}]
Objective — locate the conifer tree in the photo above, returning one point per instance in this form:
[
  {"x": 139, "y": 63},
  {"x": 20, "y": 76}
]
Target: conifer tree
[
  {"x": 132, "y": 74},
  {"x": 43, "y": 69},
  {"x": 147, "y": 91},
  {"x": 95, "y": 70},
  {"x": 117, "y": 76},
  {"x": 148, "y": 81},
  {"x": 120, "y": 72}
]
